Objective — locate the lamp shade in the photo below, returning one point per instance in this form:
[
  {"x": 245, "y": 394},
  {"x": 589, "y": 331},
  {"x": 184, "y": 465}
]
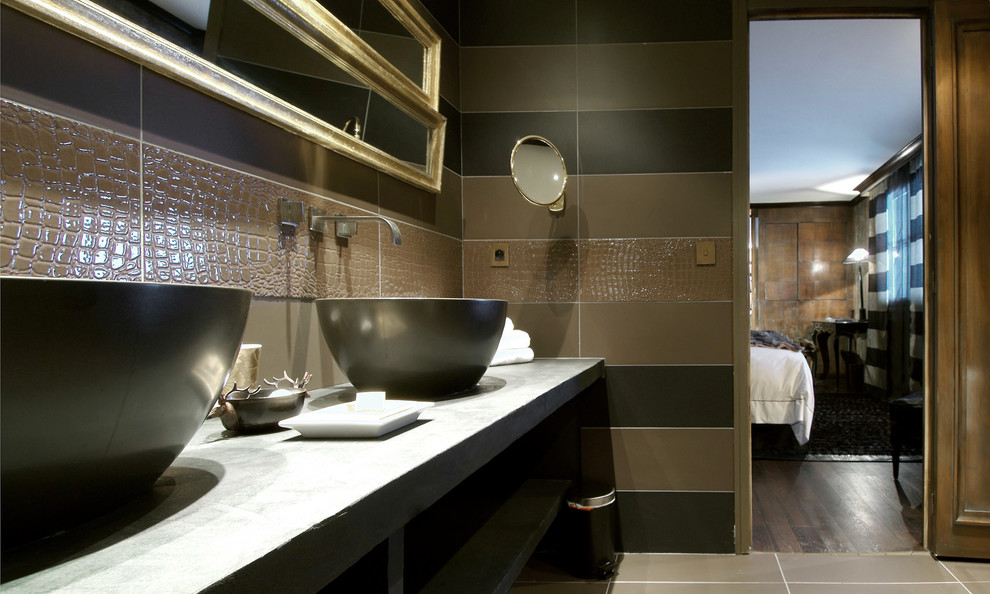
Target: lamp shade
[{"x": 858, "y": 256}]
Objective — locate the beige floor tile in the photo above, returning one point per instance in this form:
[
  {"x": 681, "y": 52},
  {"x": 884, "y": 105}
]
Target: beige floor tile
[
  {"x": 699, "y": 568},
  {"x": 893, "y": 568},
  {"x": 877, "y": 589},
  {"x": 978, "y": 587},
  {"x": 559, "y": 588},
  {"x": 969, "y": 571},
  {"x": 724, "y": 588}
]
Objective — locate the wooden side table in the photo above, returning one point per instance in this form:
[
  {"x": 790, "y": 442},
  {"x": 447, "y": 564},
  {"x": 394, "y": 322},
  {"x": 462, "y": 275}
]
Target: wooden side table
[{"x": 839, "y": 328}]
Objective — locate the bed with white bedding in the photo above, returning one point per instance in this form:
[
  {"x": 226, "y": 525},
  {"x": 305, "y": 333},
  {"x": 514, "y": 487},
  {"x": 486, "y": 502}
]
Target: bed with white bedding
[{"x": 781, "y": 390}]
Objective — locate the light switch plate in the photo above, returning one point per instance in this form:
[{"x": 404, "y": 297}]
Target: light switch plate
[
  {"x": 500, "y": 254},
  {"x": 706, "y": 253}
]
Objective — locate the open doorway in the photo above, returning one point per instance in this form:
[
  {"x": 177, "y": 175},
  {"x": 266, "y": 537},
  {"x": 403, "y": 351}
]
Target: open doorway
[{"x": 835, "y": 161}]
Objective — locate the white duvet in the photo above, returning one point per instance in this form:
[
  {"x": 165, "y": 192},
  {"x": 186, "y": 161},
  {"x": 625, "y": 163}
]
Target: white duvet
[{"x": 781, "y": 390}]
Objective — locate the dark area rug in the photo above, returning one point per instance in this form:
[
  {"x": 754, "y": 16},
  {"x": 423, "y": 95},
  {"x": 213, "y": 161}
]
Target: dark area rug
[{"x": 847, "y": 427}]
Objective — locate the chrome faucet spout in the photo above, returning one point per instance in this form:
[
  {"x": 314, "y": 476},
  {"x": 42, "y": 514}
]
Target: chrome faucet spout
[{"x": 346, "y": 225}]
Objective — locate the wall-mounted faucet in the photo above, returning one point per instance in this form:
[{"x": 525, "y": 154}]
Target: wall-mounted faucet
[
  {"x": 346, "y": 225},
  {"x": 291, "y": 214},
  {"x": 357, "y": 126}
]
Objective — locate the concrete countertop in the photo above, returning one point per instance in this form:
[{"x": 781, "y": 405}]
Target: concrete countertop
[{"x": 258, "y": 511}]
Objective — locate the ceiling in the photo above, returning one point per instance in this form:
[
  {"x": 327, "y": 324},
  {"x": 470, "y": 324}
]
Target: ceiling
[{"x": 830, "y": 101}]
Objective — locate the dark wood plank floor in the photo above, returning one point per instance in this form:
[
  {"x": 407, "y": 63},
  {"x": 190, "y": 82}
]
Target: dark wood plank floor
[{"x": 836, "y": 507}]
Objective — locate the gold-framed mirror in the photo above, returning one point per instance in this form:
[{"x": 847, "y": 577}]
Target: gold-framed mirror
[
  {"x": 539, "y": 172},
  {"x": 331, "y": 46}
]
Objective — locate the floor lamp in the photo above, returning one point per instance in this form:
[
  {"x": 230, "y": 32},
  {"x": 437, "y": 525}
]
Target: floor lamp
[{"x": 859, "y": 256}]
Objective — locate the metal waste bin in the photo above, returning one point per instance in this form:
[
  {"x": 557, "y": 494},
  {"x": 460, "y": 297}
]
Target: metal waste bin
[{"x": 591, "y": 518}]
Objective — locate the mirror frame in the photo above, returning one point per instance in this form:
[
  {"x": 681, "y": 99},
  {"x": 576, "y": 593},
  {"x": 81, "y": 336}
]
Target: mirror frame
[
  {"x": 315, "y": 26},
  {"x": 557, "y": 204}
]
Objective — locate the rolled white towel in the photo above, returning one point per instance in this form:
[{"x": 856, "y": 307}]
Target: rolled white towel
[
  {"x": 516, "y": 339},
  {"x": 510, "y": 356}
]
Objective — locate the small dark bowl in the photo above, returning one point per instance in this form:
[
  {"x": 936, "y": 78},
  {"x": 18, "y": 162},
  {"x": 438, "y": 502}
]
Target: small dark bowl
[
  {"x": 262, "y": 411},
  {"x": 420, "y": 348}
]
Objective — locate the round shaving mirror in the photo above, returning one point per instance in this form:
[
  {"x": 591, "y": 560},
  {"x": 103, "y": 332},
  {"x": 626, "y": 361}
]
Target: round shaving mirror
[{"x": 538, "y": 172}]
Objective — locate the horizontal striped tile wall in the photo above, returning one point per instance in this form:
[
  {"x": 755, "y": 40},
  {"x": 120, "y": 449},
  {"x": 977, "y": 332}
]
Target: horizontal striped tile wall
[
  {"x": 110, "y": 171},
  {"x": 635, "y": 94}
]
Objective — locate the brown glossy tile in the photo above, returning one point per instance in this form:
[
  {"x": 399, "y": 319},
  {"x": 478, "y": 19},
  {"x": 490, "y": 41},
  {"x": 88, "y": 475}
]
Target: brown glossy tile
[
  {"x": 656, "y": 205},
  {"x": 401, "y": 201},
  {"x": 638, "y": 21},
  {"x": 678, "y": 140},
  {"x": 288, "y": 331},
  {"x": 71, "y": 198},
  {"x": 653, "y": 75},
  {"x": 494, "y": 209},
  {"x": 675, "y": 522},
  {"x": 669, "y": 395},
  {"x": 449, "y": 206},
  {"x": 667, "y": 459},
  {"x": 529, "y": 78},
  {"x": 552, "y": 327},
  {"x": 755, "y": 568},
  {"x": 597, "y": 460},
  {"x": 657, "y": 333},
  {"x": 450, "y": 68},
  {"x": 60, "y": 73},
  {"x": 427, "y": 264},
  {"x": 863, "y": 569},
  {"x": 538, "y": 272},
  {"x": 181, "y": 119},
  {"x": 653, "y": 270}
]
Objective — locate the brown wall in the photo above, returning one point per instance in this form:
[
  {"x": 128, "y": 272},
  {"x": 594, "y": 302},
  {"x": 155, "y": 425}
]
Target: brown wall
[
  {"x": 799, "y": 276},
  {"x": 637, "y": 97},
  {"x": 799, "y": 272},
  {"x": 110, "y": 171}
]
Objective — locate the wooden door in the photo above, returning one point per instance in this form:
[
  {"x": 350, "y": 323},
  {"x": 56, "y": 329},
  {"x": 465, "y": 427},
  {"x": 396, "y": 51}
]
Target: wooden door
[{"x": 959, "y": 514}]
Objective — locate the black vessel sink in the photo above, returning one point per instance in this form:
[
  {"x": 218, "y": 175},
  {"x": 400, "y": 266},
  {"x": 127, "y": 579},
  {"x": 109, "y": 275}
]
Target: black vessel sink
[
  {"x": 413, "y": 347},
  {"x": 104, "y": 383}
]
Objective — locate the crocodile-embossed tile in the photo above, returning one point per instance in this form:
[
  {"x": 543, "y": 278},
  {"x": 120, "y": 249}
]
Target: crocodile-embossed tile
[
  {"x": 205, "y": 224},
  {"x": 427, "y": 264},
  {"x": 616, "y": 270},
  {"x": 538, "y": 271},
  {"x": 323, "y": 265},
  {"x": 70, "y": 198}
]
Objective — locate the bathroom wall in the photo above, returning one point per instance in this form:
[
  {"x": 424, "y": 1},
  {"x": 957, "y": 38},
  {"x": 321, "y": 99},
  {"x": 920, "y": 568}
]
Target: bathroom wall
[
  {"x": 111, "y": 171},
  {"x": 637, "y": 96}
]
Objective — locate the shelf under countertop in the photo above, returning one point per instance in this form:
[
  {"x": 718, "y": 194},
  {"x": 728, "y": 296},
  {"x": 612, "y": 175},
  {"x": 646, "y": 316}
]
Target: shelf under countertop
[{"x": 235, "y": 511}]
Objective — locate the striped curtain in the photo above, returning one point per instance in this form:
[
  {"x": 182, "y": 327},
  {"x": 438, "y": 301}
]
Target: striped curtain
[{"x": 895, "y": 342}]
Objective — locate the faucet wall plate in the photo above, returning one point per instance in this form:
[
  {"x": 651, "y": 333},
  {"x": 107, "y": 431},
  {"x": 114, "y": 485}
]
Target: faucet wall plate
[
  {"x": 317, "y": 227},
  {"x": 290, "y": 212}
]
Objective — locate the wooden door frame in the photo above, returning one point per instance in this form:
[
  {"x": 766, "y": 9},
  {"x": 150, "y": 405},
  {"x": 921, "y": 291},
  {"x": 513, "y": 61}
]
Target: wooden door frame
[{"x": 745, "y": 11}]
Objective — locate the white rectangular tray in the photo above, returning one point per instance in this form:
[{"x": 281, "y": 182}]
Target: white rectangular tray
[{"x": 343, "y": 420}]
